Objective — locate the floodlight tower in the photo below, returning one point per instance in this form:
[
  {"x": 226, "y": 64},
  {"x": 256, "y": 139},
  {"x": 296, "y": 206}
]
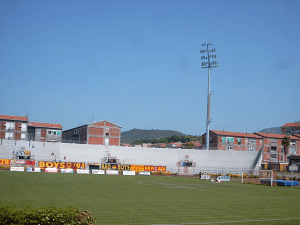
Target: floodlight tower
[{"x": 208, "y": 64}]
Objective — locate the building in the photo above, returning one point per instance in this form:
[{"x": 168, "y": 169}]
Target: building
[
  {"x": 291, "y": 128},
  {"x": 174, "y": 145},
  {"x": 233, "y": 141},
  {"x": 273, "y": 156},
  {"x": 46, "y": 132},
  {"x": 19, "y": 128},
  {"x": 97, "y": 133},
  {"x": 13, "y": 127}
]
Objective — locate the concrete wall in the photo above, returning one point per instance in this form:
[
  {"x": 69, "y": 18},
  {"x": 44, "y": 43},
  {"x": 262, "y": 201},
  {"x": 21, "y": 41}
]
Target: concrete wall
[{"x": 206, "y": 161}]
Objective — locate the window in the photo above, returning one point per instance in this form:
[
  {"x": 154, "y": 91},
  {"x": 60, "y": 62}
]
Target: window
[
  {"x": 251, "y": 140},
  {"x": 223, "y": 139},
  {"x": 106, "y": 141},
  {"x": 10, "y": 125},
  {"x": 229, "y": 139},
  {"x": 24, "y": 127},
  {"x": 273, "y": 141},
  {"x": 23, "y": 136},
  {"x": 273, "y": 156},
  {"x": 274, "y": 149},
  {"x": 57, "y": 132},
  {"x": 9, "y": 135},
  {"x": 229, "y": 147},
  {"x": 293, "y": 151},
  {"x": 251, "y": 149},
  {"x": 239, "y": 141}
]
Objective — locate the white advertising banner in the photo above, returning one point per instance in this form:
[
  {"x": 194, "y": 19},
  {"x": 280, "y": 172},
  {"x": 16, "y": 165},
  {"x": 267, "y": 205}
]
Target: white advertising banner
[
  {"x": 112, "y": 172},
  {"x": 19, "y": 169},
  {"x": 128, "y": 172},
  {"x": 29, "y": 169},
  {"x": 66, "y": 170},
  {"x": 223, "y": 178},
  {"x": 98, "y": 172},
  {"x": 205, "y": 177},
  {"x": 83, "y": 171},
  {"x": 51, "y": 170},
  {"x": 144, "y": 173},
  {"x": 37, "y": 169}
]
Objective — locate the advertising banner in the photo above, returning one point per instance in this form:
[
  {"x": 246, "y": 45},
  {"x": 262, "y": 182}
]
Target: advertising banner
[
  {"x": 29, "y": 169},
  {"x": 19, "y": 169},
  {"x": 83, "y": 171},
  {"x": 144, "y": 173},
  {"x": 112, "y": 172},
  {"x": 36, "y": 169},
  {"x": 5, "y": 162},
  {"x": 128, "y": 172},
  {"x": 66, "y": 170},
  {"x": 115, "y": 167},
  {"x": 128, "y": 167},
  {"x": 223, "y": 178},
  {"x": 18, "y": 161},
  {"x": 61, "y": 165},
  {"x": 30, "y": 163},
  {"x": 148, "y": 168},
  {"x": 51, "y": 170},
  {"x": 98, "y": 172},
  {"x": 205, "y": 177}
]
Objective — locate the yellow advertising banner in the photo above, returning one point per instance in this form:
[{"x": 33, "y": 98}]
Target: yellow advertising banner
[
  {"x": 139, "y": 168},
  {"x": 115, "y": 167},
  {"x": 61, "y": 165}
]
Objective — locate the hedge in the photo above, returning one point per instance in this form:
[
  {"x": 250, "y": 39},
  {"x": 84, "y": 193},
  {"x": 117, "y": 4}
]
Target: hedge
[{"x": 45, "y": 215}]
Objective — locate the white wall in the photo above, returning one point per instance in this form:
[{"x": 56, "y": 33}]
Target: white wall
[{"x": 212, "y": 160}]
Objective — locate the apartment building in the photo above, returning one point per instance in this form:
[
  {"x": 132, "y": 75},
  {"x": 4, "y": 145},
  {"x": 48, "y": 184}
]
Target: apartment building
[
  {"x": 49, "y": 132},
  {"x": 13, "y": 127},
  {"x": 273, "y": 151},
  {"x": 97, "y": 133},
  {"x": 19, "y": 128},
  {"x": 291, "y": 128},
  {"x": 233, "y": 141}
]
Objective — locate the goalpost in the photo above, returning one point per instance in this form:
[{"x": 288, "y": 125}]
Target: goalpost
[{"x": 252, "y": 176}]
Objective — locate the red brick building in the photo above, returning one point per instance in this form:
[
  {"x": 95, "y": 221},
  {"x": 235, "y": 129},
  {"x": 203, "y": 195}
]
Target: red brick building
[
  {"x": 273, "y": 151},
  {"x": 97, "y": 133},
  {"x": 234, "y": 141},
  {"x": 13, "y": 127}
]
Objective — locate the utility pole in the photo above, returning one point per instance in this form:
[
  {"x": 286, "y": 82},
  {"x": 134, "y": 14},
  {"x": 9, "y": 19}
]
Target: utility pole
[{"x": 208, "y": 64}]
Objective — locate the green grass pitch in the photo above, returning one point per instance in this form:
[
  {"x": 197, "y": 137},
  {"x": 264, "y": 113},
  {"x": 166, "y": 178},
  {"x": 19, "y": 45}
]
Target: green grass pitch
[{"x": 117, "y": 199}]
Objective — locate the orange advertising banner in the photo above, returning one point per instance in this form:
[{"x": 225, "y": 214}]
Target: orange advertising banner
[
  {"x": 61, "y": 165},
  {"x": 5, "y": 162}
]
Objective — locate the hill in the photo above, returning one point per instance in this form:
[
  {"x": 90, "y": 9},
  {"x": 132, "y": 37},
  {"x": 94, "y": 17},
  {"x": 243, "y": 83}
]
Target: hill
[
  {"x": 128, "y": 137},
  {"x": 272, "y": 130}
]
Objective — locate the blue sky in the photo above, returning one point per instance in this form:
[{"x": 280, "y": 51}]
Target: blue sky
[{"x": 138, "y": 63}]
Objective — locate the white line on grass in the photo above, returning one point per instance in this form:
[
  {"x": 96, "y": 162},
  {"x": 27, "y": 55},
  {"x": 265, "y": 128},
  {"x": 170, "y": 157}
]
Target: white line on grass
[
  {"x": 201, "y": 187},
  {"x": 224, "y": 222}
]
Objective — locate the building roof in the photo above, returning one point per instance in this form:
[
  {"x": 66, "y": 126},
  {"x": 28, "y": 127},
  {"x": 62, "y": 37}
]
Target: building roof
[
  {"x": 235, "y": 134},
  {"x": 295, "y": 124},
  {"x": 47, "y": 125},
  {"x": 278, "y": 136},
  {"x": 18, "y": 118},
  {"x": 196, "y": 143},
  {"x": 106, "y": 122}
]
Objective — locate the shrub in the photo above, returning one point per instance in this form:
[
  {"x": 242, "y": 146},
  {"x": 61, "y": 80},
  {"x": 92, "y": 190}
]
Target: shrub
[{"x": 44, "y": 215}]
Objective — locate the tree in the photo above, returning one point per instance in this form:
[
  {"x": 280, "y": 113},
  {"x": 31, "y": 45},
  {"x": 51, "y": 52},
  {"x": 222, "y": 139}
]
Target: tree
[{"x": 286, "y": 141}]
